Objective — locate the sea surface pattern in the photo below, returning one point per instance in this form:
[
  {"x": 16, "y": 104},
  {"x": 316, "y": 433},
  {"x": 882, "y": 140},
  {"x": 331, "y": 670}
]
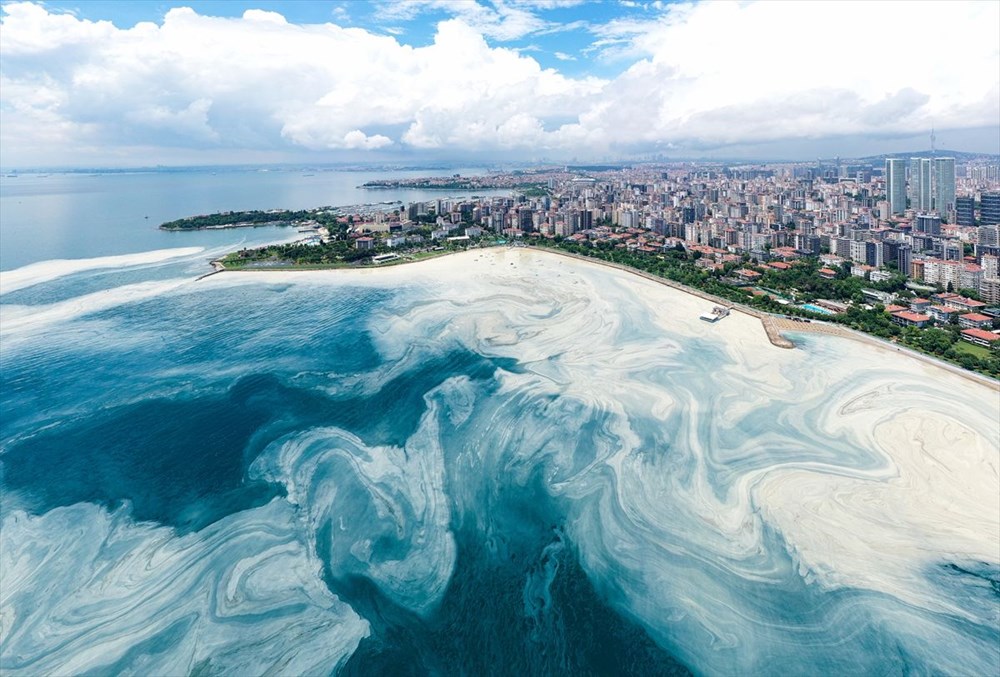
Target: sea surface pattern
[{"x": 519, "y": 465}]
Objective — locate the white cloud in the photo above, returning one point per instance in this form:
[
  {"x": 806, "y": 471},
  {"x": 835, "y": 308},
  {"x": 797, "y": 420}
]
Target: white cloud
[
  {"x": 723, "y": 72},
  {"x": 697, "y": 76},
  {"x": 260, "y": 82},
  {"x": 358, "y": 139},
  {"x": 502, "y": 20},
  {"x": 563, "y": 56}
]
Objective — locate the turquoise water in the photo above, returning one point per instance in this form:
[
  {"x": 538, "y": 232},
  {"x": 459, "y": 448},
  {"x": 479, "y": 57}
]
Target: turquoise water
[
  {"x": 817, "y": 309},
  {"x": 79, "y": 216},
  {"x": 525, "y": 469}
]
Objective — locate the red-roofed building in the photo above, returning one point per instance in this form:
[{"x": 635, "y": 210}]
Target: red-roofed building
[
  {"x": 893, "y": 308},
  {"x": 827, "y": 273},
  {"x": 942, "y": 313},
  {"x": 964, "y": 304},
  {"x": 908, "y": 319},
  {"x": 944, "y": 296},
  {"x": 749, "y": 275},
  {"x": 785, "y": 252},
  {"x": 779, "y": 265},
  {"x": 708, "y": 264},
  {"x": 980, "y": 337},
  {"x": 975, "y": 321},
  {"x": 862, "y": 270}
]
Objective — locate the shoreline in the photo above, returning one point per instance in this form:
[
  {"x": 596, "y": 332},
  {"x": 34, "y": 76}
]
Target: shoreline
[{"x": 773, "y": 325}]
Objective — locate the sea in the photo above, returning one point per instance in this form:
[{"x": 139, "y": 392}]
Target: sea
[{"x": 531, "y": 468}]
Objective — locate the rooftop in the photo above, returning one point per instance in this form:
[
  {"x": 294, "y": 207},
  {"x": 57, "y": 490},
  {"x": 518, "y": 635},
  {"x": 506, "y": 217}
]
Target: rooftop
[{"x": 981, "y": 334}]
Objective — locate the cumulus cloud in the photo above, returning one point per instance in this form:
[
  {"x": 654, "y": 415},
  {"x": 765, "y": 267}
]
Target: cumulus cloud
[
  {"x": 758, "y": 71},
  {"x": 693, "y": 76}
]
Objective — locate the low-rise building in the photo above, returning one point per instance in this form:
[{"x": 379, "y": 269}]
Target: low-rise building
[
  {"x": 911, "y": 319},
  {"x": 975, "y": 321},
  {"x": 966, "y": 305},
  {"x": 942, "y": 313},
  {"x": 833, "y": 306},
  {"x": 862, "y": 270},
  {"x": 876, "y": 296},
  {"x": 980, "y": 337}
]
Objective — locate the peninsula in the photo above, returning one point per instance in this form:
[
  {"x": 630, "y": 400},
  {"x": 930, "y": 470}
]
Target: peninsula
[{"x": 244, "y": 219}]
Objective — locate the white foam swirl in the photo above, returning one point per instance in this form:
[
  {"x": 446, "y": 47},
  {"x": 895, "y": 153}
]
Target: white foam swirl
[
  {"x": 46, "y": 271},
  {"x": 85, "y": 590}
]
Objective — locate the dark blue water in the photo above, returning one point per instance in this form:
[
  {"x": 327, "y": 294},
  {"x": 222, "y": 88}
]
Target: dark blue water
[{"x": 88, "y": 422}]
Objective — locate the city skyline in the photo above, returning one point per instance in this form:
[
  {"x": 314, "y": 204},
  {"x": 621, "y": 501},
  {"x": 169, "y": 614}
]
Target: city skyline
[{"x": 140, "y": 84}]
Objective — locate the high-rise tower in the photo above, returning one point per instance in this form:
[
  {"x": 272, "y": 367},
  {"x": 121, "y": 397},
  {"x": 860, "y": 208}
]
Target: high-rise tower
[
  {"x": 920, "y": 184},
  {"x": 944, "y": 185},
  {"x": 895, "y": 184}
]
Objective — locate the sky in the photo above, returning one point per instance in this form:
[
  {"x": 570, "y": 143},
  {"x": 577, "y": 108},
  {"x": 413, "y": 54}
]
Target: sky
[{"x": 149, "y": 82}]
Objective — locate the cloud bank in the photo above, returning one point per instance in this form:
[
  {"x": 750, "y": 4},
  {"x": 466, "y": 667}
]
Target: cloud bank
[{"x": 692, "y": 77}]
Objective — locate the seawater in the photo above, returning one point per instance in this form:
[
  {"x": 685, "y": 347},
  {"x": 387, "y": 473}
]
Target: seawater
[
  {"x": 520, "y": 470},
  {"x": 82, "y": 216}
]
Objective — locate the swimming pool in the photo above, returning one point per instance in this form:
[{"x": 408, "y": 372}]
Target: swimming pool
[{"x": 817, "y": 309}]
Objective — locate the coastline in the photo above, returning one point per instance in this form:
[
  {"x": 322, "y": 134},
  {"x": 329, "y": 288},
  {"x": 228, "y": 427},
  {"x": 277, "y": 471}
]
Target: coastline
[{"x": 772, "y": 325}]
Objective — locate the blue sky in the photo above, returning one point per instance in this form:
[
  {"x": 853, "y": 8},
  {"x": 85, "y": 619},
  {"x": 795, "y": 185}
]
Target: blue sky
[
  {"x": 565, "y": 43},
  {"x": 164, "y": 82}
]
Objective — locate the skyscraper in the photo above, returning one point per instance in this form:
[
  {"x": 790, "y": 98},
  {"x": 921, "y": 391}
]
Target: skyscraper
[
  {"x": 926, "y": 192},
  {"x": 920, "y": 184},
  {"x": 895, "y": 184},
  {"x": 944, "y": 185},
  {"x": 913, "y": 184}
]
